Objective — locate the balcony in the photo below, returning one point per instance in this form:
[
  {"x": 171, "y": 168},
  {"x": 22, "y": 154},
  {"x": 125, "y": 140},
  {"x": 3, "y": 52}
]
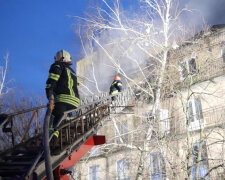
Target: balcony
[
  {"x": 209, "y": 70},
  {"x": 213, "y": 117}
]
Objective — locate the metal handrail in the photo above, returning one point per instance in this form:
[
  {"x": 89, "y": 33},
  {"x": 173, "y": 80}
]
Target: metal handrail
[
  {"x": 211, "y": 116},
  {"x": 74, "y": 130},
  {"x": 93, "y": 102},
  {"x": 7, "y": 125},
  {"x": 27, "y": 110},
  {"x": 90, "y": 111},
  {"x": 211, "y": 69}
]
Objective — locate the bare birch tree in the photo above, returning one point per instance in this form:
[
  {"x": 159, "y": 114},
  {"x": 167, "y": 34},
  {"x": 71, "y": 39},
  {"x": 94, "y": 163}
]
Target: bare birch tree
[
  {"x": 144, "y": 42},
  {"x": 3, "y": 72},
  {"x": 9, "y": 103}
]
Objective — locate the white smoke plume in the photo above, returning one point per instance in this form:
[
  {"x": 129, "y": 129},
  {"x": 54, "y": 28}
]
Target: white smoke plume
[
  {"x": 116, "y": 41},
  {"x": 213, "y": 11}
]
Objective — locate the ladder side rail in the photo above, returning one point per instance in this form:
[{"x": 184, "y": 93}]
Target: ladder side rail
[
  {"x": 87, "y": 121},
  {"x": 28, "y": 127},
  {"x": 102, "y": 106},
  {"x": 8, "y": 124}
]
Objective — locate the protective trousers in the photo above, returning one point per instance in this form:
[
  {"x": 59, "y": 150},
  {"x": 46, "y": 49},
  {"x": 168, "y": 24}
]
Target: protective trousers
[{"x": 57, "y": 114}]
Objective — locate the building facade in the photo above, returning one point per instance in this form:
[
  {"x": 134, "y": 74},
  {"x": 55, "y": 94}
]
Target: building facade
[{"x": 187, "y": 141}]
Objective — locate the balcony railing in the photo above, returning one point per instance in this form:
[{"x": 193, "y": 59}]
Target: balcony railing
[
  {"x": 209, "y": 70},
  {"x": 213, "y": 117}
]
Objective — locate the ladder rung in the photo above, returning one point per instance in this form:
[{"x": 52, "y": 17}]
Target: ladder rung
[
  {"x": 15, "y": 163},
  {"x": 18, "y": 158},
  {"x": 12, "y": 172},
  {"x": 27, "y": 152}
]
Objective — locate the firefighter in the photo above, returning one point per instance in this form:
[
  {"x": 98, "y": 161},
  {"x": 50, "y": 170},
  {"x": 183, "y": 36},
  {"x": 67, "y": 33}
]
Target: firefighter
[
  {"x": 61, "y": 88},
  {"x": 116, "y": 86}
]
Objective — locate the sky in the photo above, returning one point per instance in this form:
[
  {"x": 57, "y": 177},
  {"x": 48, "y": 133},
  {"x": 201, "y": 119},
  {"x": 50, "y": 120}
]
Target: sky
[{"x": 32, "y": 31}]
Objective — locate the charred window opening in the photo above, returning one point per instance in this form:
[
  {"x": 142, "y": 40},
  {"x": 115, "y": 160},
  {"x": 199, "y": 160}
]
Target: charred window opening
[
  {"x": 223, "y": 51},
  {"x": 187, "y": 68}
]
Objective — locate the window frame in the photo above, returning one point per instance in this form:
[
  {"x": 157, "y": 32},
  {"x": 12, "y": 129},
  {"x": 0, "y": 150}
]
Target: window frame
[
  {"x": 185, "y": 68},
  {"x": 195, "y": 114},
  {"x": 164, "y": 121},
  {"x": 123, "y": 130},
  {"x": 159, "y": 175},
  {"x": 125, "y": 175},
  {"x": 223, "y": 51},
  {"x": 203, "y": 165},
  {"x": 96, "y": 172}
]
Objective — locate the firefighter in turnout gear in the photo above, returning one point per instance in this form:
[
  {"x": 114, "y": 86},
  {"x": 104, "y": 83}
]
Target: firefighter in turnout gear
[
  {"x": 116, "y": 86},
  {"x": 61, "y": 88}
]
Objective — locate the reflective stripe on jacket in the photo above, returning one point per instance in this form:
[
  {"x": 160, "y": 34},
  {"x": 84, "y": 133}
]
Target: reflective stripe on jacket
[
  {"x": 115, "y": 87},
  {"x": 62, "y": 84}
]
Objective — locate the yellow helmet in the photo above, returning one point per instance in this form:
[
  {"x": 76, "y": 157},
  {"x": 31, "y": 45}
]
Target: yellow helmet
[{"x": 63, "y": 56}]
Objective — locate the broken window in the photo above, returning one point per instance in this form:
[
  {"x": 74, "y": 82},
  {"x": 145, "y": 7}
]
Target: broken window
[
  {"x": 187, "y": 68},
  {"x": 223, "y": 50},
  {"x": 192, "y": 66},
  {"x": 183, "y": 70}
]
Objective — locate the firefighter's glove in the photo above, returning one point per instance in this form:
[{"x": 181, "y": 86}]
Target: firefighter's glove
[{"x": 51, "y": 104}]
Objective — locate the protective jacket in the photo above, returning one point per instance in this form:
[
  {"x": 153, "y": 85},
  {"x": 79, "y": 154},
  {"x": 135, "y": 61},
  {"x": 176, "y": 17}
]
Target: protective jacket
[
  {"x": 62, "y": 84},
  {"x": 115, "y": 87}
]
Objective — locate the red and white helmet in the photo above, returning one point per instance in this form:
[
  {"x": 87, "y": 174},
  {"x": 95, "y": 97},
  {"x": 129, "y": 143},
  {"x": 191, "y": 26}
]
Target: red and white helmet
[{"x": 117, "y": 78}]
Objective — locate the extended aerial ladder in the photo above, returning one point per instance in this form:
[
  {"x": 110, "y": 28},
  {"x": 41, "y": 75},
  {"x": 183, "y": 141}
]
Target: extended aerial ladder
[{"x": 26, "y": 159}]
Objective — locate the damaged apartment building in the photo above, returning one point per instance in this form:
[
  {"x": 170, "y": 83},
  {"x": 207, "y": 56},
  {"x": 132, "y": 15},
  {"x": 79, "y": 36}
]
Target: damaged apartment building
[{"x": 188, "y": 140}]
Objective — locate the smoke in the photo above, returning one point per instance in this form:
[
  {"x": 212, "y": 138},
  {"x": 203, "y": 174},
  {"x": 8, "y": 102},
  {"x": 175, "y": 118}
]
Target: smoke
[
  {"x": 121, "y": 45},
  {"x": 213, "y": 11},
  {"x": 115, "y": 52}
]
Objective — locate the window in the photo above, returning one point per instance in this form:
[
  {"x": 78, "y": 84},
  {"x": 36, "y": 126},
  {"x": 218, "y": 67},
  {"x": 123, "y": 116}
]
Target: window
[
  {"x": 147, "y": 120},
  {"x": 203, "y": 163},
  {"x": 122, "y": 167},
  {"x": 122, "y": 132},
  {"x": 195, "y": 116},
  {"x": 223, "y": 50},
  {"x": 93, "y": 172},
  {"x": 157, "y": 166},
  {"x": 187, "y": 68},
  {"x": 164, "y": 121}
]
